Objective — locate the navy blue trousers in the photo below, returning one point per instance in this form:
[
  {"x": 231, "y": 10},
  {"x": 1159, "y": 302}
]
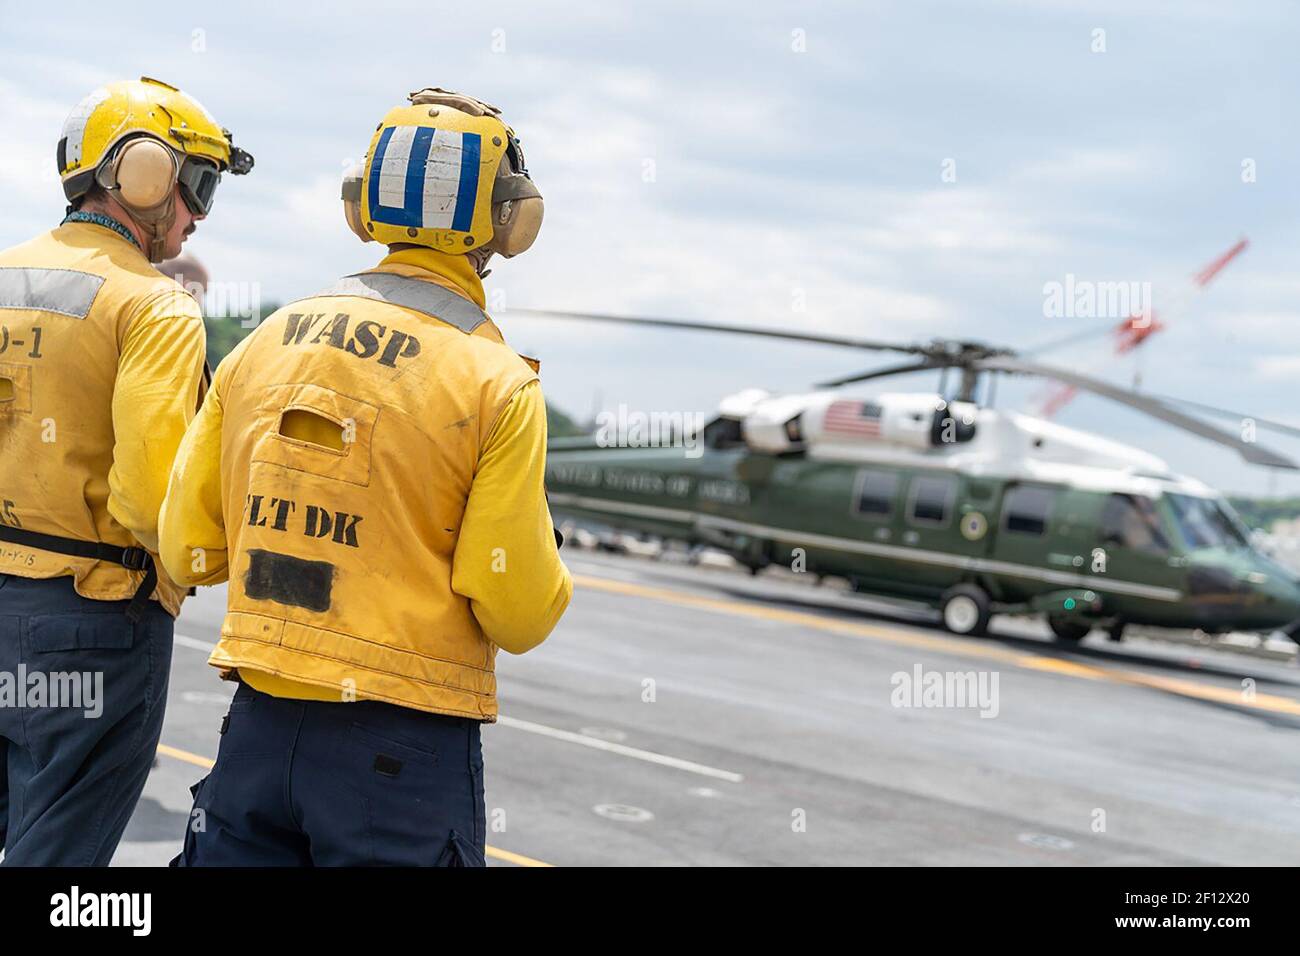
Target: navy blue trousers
[
  {"x": 73, "y": 761},
  {"x": 324, "y": 783}
]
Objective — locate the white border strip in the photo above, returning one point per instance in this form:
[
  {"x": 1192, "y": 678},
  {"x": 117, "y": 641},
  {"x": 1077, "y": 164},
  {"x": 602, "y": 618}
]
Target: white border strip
[{"x": 609, "y": 747}]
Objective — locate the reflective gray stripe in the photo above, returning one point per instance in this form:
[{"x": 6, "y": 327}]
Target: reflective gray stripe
[
  {"x": 427, "y": 297},
  {"x": 49, "y": 290}
]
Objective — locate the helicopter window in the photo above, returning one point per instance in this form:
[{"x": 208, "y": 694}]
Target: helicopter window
[
  {"x": 723, "y": 433},
  {"x": 1205, "y": 524},
  {"x": 932, "y": 498},
  {"x": 875, "y": 493},
  {"x": 1131, "y": 521},
  {"x": 1027, "y": 508}
]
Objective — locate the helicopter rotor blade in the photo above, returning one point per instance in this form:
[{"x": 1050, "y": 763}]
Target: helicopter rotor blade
[
  {"x": 812, "y": 337},
  {"x": 880, "y": 373},
  {"x": 1227, "y": 413},
  {"x": 1154, "y": 407},
  {"x": 1052, "y": 344}
]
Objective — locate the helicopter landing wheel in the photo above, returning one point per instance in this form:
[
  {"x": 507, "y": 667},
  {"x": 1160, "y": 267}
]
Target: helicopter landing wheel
[
  {"x": 966, "y": 610},
  {"x": 1073, "y": 631},
  {"x": 1115, "y": 632}
]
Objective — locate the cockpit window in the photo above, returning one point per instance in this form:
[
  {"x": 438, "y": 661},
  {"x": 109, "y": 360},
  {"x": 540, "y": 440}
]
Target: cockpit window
[
  {"x": 1206, "y": 523},
  {"x": 1131, "y": 521}
]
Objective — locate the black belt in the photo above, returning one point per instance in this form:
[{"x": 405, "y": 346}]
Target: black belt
[{"x": 133, "y": 559}]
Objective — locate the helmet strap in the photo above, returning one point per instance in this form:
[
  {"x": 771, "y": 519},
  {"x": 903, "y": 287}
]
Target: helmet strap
[
  {"x": 156, "y": 232},
  {"x": 154, "y": 223},
  {"x": 480, "y": 257}
]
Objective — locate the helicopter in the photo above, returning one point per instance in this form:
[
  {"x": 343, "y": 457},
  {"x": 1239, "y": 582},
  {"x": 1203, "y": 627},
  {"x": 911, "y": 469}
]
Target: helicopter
[{"x": 939, "y": 499}]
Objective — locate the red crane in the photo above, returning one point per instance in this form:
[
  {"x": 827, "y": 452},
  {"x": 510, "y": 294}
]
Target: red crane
[{"x": 1136, "y": 329}]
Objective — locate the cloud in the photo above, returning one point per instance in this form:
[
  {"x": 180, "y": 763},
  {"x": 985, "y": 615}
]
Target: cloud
[
  {"x": 1278, "y": 367},
  {"x": 1095, "y": 166},
  {"x": 31, "y": 122}
]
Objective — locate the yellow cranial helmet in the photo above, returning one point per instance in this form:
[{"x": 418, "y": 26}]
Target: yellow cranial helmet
[
  {"x": 137, "y": 140},
  {"x": 447, "y": 173},
  {"x": 118, "y": 112}
]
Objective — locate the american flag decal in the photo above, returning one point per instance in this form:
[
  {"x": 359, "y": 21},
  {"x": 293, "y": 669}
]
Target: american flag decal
[{"x": 858, "y": 419}]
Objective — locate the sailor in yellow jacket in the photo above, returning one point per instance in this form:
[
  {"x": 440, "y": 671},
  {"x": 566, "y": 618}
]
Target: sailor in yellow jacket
[
  {"x": 367, "y": 472},
  {"x": 101, "y": 366}
]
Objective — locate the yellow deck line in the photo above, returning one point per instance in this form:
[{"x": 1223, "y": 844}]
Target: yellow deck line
[{"x": 966, "y": 647}]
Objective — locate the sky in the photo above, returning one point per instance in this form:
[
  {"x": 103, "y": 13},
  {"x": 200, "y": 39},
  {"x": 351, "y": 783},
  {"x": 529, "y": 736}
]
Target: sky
[{"x": 896, "y": 171}]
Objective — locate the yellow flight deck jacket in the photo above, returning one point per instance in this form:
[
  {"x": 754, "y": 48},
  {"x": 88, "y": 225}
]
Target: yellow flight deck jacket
[
  {"x": 367, "y": 471},
  {"x": 101, "y": 360}
]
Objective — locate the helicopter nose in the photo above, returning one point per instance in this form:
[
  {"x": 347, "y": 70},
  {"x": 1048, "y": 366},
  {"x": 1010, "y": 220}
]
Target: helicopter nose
[{"x": 1287, "y": 597}]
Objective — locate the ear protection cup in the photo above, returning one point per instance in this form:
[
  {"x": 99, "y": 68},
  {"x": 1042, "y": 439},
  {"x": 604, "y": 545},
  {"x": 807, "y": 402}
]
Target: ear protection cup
[
  {"x": 142, "y": 175},
  {"x": 515, "y": 225},
  {"x": 144, "y": 172},
  {"x": 517, "y": 205},
  {"x": 352, "y": 202}
]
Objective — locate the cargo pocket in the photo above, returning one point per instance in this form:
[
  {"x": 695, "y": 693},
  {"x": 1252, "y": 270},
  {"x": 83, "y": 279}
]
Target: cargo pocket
[
  {"x": 49, "y": 633},
  {"x": 296, "y": 419},
  {"x": 197, "y": 817},
  {"x": 98, "y": 691},
  {"x": 15, "y": 387},
  {"x": 459, "y": 852}
]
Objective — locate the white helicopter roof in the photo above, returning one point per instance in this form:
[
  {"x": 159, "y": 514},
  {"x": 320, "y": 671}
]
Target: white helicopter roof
[
  {"x": 895, "y": 428},
  {"x": 1014, "y": 445}
]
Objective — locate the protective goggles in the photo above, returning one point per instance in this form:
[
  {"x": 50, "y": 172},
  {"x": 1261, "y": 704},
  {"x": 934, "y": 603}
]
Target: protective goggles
[{"x": 198, "y": 179}]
